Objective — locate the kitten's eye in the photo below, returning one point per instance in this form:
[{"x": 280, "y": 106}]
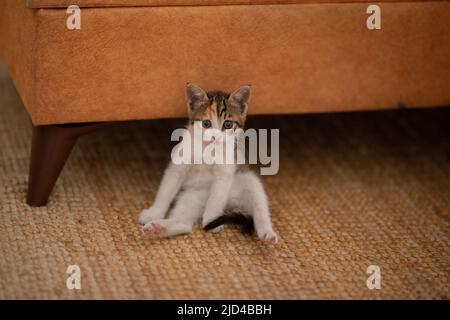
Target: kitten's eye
[
  {"x": 228, "y": 124},
  {"x": 206, "y": 124}
]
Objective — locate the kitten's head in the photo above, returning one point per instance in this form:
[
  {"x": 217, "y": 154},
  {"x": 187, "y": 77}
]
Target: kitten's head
[{"x": 218, "y": 110}]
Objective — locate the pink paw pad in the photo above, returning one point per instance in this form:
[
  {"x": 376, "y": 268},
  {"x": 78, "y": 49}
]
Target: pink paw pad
[
  {"x": 153, "y": 228},
  {"x": 270, "y": 239}
]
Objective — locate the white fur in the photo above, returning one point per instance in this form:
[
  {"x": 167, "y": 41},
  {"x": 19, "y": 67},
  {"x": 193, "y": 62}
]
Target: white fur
[{"x": 203, "y": 192}]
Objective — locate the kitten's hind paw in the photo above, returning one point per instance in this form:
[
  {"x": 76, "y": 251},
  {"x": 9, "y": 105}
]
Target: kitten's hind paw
[
  {"x": 269, "y": 237},
  {"x": 163, "y": 228},
  {"x": 153, "y": 228}
]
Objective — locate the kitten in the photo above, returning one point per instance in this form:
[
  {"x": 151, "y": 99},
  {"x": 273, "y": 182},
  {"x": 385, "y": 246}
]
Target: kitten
[{"x": 209, "y": 192}]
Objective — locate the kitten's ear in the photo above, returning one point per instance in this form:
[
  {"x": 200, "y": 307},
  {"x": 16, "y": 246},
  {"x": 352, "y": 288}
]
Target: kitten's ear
[
  {"x": 240, "y": 98},
  {"x": 195, "y": 97}
]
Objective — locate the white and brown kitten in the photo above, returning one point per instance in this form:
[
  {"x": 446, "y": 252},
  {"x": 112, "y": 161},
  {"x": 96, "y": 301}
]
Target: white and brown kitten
[{"x": 190, "y": 193}]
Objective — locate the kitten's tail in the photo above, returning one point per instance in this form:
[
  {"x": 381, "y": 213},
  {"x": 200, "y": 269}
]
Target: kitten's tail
[{"x": 244, "y": 221}]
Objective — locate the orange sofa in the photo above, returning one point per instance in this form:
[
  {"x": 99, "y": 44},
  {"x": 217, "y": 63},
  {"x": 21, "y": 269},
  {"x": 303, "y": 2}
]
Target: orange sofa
[{"x": 132, "y": 58}]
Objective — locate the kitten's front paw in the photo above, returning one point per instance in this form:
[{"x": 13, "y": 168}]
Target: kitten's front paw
[
  {"x": 152, "y": 213},
  {"x": 268, "y": 236}
]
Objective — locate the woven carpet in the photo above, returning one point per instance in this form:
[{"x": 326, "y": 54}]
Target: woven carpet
[{"x": 353, "y": 190}]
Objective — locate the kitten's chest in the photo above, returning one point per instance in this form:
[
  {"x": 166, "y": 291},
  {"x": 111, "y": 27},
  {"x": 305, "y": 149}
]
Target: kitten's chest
[{"x": 200, "y": 176}]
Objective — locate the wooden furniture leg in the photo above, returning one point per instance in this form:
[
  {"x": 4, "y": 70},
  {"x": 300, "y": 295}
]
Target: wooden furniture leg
[{"x": 51, "y": 146}]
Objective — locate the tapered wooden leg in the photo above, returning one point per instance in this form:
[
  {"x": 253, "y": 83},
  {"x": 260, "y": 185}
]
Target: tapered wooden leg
[{"x": 51, "y": 146}]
